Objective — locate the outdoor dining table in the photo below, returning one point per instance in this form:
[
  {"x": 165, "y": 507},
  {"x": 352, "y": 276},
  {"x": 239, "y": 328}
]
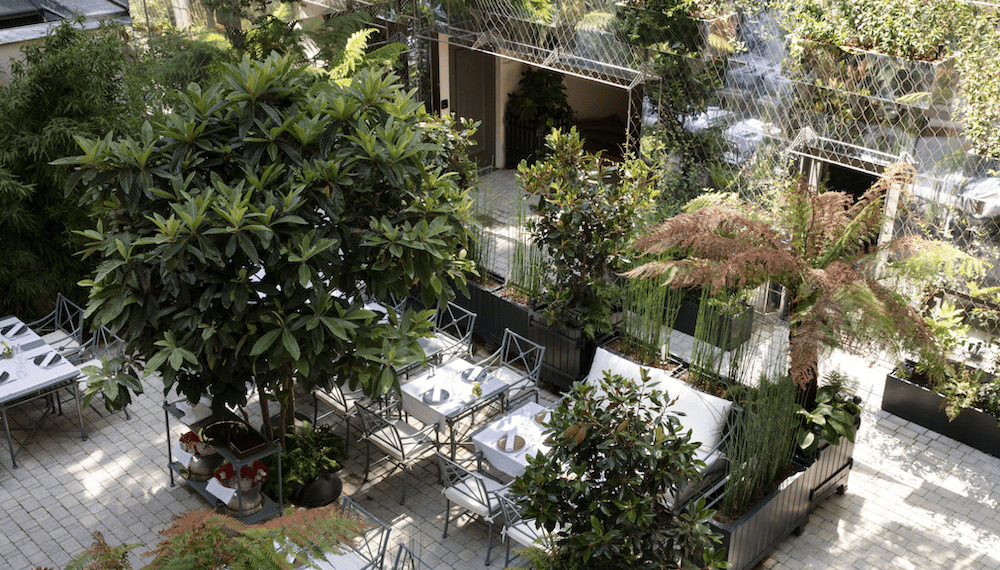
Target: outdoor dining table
[
  {"x": 32, "y": 374},
  {"x": 524, "y": 426},
  {"x": 455, "y": 378}
]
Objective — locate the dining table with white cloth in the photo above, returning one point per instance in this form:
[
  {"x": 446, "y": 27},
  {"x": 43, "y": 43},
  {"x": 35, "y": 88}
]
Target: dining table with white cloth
[
  {"x": 36, "y": 370},
  {"x": 499, "y": 441},
  {"x": 444, "y": 395}
]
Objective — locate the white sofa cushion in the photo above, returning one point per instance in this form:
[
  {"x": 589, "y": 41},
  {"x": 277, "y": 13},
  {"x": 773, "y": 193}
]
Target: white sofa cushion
[{"x": 704, "y": 414}]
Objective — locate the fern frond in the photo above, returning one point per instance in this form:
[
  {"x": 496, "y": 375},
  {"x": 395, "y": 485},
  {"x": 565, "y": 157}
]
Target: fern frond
[{"x": 353, "y": 55}]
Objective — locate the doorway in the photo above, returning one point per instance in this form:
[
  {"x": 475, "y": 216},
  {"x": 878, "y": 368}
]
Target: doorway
[{"x": 473, "y": 96}]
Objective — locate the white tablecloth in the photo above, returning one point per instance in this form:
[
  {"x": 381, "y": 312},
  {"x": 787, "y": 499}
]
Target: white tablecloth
[
  {"x": 515, "y": 422},
  {"x": 34, "y": 377},
  {"x": 447, "y": 377}
]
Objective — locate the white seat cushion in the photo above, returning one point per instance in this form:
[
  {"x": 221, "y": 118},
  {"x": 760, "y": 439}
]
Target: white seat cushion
[
  {"x": 466, "y": 491},
  {"x": 412, "y": 443},
  {"x": 525, "y": 533},
  {"x": 60, "y": 340},
  {"x": 704, "y": 414}
]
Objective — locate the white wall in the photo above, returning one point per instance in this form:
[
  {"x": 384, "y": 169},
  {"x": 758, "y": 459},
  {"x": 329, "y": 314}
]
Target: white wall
[
  {"x": 8, "y": 52},
  {"x": 592, "y": 100}
]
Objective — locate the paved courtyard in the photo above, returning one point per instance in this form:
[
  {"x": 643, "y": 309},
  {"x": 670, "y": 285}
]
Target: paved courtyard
[{"x": 915, "y": 500}]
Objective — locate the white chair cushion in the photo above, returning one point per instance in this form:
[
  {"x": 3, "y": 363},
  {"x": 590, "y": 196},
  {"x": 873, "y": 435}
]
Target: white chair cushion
[
  {"x": 60, "y": 340},
  {"x": 464, "y": 493},
  {"x": 509, "y": 375},
  {"x": 525, "y": 533},
  {"x": 408, "y": 437}
]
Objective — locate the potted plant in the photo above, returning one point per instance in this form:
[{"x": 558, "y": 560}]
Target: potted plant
[
  {"x": 586, "y": 214},
  {"x": 204, "y": 458},
  {"x": 723, "y": 319},
  {"x": 783, "y": 461},
  {"x": 538, "y": 106},
  {"x": 232, "y": 305},
  {"x": 310, "y": 463},
  {"x": 246, "y": 487},
  {"x": 619, "y": 437}
]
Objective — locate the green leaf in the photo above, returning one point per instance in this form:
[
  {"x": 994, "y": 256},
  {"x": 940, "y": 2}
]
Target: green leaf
[{"x": 265, "y": 342}]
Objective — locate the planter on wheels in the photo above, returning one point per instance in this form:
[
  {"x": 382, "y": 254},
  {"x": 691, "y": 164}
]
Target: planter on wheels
[
  {"x": 754, "y": 535},
  {"x": 568, "y": 352}
]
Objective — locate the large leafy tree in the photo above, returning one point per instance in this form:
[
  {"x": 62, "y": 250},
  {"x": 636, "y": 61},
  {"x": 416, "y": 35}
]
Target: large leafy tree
[
  {"x": 819, "y": 246},
  {"x": 73, "y": 82},
  {"x": 239, "y": 239}
]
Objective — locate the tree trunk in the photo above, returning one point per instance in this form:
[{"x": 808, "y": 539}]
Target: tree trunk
[{"x": 803, "y": 349}]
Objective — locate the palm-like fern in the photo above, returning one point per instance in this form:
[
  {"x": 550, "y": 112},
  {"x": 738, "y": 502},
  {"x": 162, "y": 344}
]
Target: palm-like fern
[
  {"x": 207, "y": 540},
  {"x": 820, "y": 247}
]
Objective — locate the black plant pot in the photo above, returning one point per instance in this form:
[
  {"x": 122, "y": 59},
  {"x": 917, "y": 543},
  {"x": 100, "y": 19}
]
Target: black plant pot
[
  {"x": 924, "y": 407},
  {"x": 786, "y": 510},
  {"x": 568, "y": 352},
  {"x": 321, "y": 491},
  {"x": 731, "y": 331}
]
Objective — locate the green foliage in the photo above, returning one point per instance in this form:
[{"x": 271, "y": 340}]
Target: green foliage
[
  {"x": 761, "y": 444},
  {"x": 227, "y": 229},
  {"x": 587, "y": 213},
  {"x": 914, "y": 29},
  {"x": 312, "y": 450},
  {"x": 832, "y": 417},
  {"x": 177, "y": 60},
  {"x": 961, "y": 389},
  {"x": 343, "y": 45},
  {"x": 113, "y": 379},
  {"x": 540, "y": 100},
  {"x": 979, "y": 64},
  {"x": 615, "y": 454},
  {"x": 74, "y": 82}
]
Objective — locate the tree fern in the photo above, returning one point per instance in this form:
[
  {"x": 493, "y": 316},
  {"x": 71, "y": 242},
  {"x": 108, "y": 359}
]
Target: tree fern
[{"x": 819, "y": 247}]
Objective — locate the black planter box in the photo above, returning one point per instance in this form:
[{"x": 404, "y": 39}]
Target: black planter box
[
  {"x": 925, "y": 408},
  {"x": 733, "y": 331},
  {"x": 568, "y": 352},
  {"x": 786, "y": 510}
]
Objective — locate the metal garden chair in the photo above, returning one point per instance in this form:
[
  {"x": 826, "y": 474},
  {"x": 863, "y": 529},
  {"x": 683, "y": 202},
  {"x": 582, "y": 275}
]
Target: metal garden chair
[{"x": 473, "y": 490}]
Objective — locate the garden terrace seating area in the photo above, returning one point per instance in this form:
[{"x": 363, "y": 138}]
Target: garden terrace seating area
[{"x": 915, "y": 500}]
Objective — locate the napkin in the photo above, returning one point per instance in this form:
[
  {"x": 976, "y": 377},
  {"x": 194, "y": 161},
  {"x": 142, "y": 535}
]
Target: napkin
[
  {"x": 223, "y": 493},
  {"x": 13, "y": 330},
  {"x": 436, "y": 394},
  {"x": 196, "y": 413},
  {"x": 47, "y": 360},
  {"x": 181, "y": 455},
  {"x": 509, "y": 443}
]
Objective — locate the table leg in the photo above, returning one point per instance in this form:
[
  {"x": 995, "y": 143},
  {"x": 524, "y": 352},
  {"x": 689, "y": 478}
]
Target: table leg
[
  {"x": 79, "y": 409},
  {"x": 10, "y": 442}
]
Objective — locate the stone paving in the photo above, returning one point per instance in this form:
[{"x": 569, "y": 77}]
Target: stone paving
[{"x": 915, "y": 500}]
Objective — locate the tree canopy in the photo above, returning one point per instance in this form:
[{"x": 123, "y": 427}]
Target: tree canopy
[{"x": 239, "y": 239}]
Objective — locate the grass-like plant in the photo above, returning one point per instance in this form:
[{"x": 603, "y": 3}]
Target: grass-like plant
[{"x": 761, "y": 444}]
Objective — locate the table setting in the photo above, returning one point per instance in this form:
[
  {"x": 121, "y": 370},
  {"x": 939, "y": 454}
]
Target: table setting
[{"x": 507, "y": 441}]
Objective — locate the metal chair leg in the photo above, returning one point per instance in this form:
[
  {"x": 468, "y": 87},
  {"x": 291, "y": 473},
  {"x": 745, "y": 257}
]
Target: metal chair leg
[
  {"x": 368, "y": 459},
  {"x": 447, "y": 517},
  {"x": 489, "y": 548}
]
